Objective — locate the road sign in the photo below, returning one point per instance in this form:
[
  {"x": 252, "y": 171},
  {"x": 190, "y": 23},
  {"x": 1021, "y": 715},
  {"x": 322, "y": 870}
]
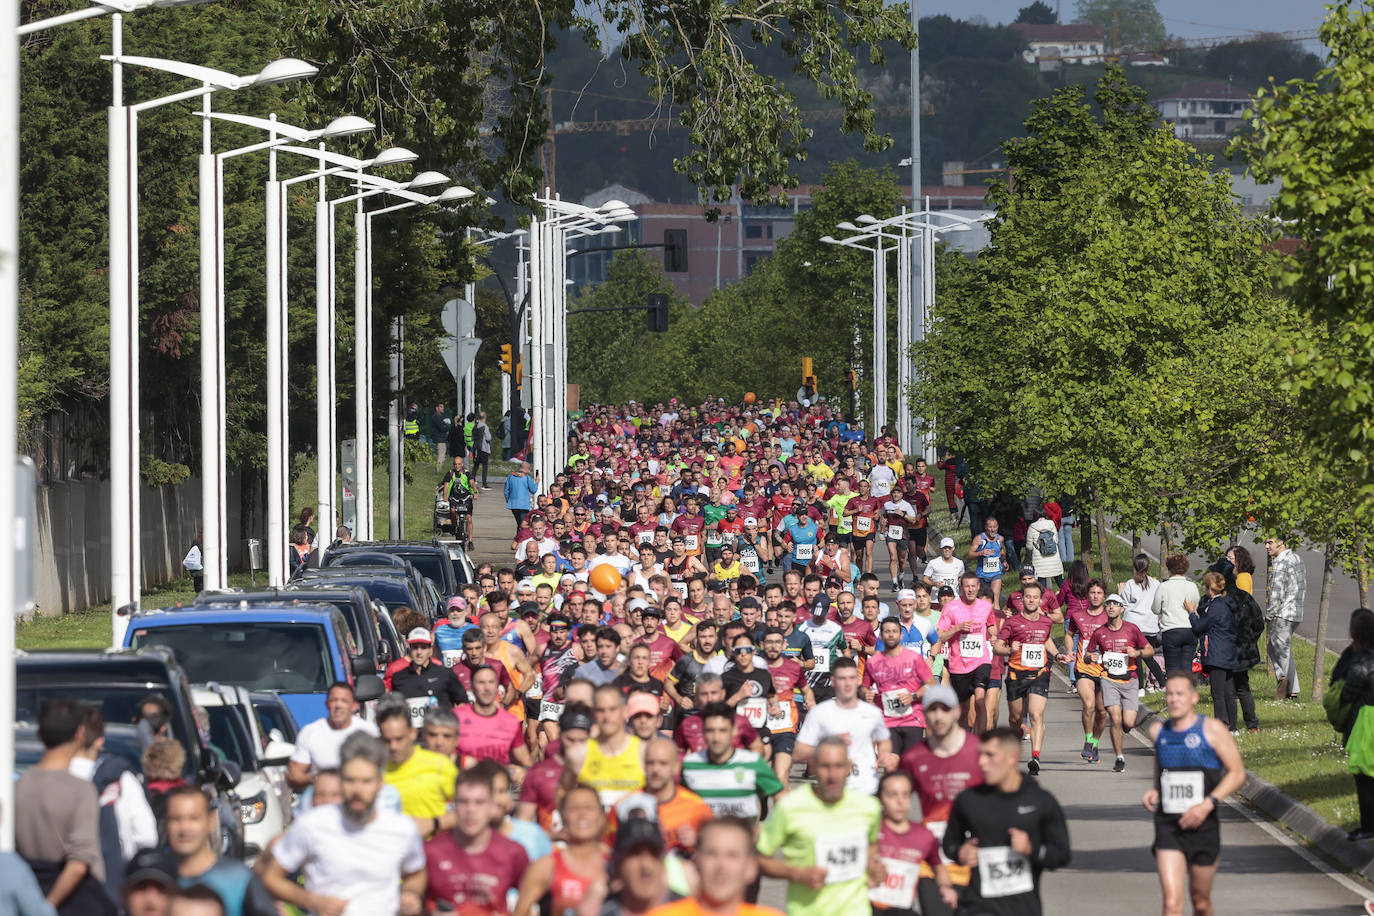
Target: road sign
[
  {"x": 459, "y": 357},
  {"x": 460, "y": 347}
]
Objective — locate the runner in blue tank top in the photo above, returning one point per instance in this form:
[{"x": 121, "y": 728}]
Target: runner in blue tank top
[{"x": 1197, "y": 765}]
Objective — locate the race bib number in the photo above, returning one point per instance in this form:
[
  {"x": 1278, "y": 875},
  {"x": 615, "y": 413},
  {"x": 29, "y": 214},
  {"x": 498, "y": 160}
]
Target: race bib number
[
  {"x": 713, "y": 539},
  {"x": 755, "y": 711},
  {"x": 971, "y": 645},
  {"x": 844, "y": 857},
  {"x": 896, "y": 533},
  {"x": 418, "y": 706},
  {"x": 681, "y": 589},
  {"x": 1179, "y": 790},
  {"x": 1032, "y": 656},
  {"x": 863, "y": 525},
  {"x": 537, "y": 688},
  {"x": 803, "y": 552},
  {"x": 750, "y": 562},
  {"x": 822, "y": 660},
  {"x": 644, "y": 537},
  {"x": 781, "y": 722},
  {"x": 549, "y": 711},
  {"x": 951, "y": 581},
  {"x": 893, "y": 707},
  {"x": 451, "y": 657},
  {"x": 1115, "y": 663},
  {"x": 693, "y": 542},
  {"x": 899, "y": 889},
  {"x": 1003, "y": 872},
  {"x": 992, "y": 564}
]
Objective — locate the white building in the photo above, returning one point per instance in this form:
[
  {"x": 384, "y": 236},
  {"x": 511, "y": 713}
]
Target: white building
[
  {"x": 1072, "y": 44},
  {"x": 1204, "y": 111}
]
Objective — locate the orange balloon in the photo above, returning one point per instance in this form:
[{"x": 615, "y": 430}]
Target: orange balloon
[
  {"x": 750, "y": 397},
  {"x": 605, "y": 579}
]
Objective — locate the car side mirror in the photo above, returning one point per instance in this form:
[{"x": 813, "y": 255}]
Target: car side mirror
[
  {"x": 362, "y": 666},
  {"x": 277, "y": 753},
  {"x": 384, "y": 653},
  {"x": 227, "y": 775},
  {"x": 368, "y": 687}
]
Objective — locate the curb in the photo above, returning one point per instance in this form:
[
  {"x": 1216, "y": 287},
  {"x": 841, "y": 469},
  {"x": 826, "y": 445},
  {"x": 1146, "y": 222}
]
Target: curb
[{"x": 1268, "y": 799}]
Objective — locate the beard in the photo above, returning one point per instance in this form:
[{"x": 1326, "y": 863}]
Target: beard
[{"x": 358, "y": 818}]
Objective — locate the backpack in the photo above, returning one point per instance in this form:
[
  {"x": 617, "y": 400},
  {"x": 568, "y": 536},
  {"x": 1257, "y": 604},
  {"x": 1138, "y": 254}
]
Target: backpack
[{"x": 1046, "y": 544}]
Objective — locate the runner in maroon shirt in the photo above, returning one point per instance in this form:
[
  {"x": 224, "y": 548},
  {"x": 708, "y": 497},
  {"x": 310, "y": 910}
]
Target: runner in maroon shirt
[
  {"x": 691, "y": 526},
  {"x": 1049, "y": 601},
  {"x": 539, "y": 793},
  {"x": 1083, "y": 622},
  {"x": 864, "y": 509},
  {"x": 472, "y": 867},
  {"x": 690, "y": 735},
  {"x": 903, "y": 848},
  {"x": 1117, "y": 646},
  {"x": 1024, "y": 640}
]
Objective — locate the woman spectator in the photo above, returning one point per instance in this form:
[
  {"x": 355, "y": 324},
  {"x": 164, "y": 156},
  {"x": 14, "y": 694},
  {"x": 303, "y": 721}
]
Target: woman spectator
[
  {"x": 1215, "y": 620},
  {"x": 1042, "y": 539},
  {"x": 1138, "y": 593},
  {"x": 1353, "y": 716},
  {"x": 1176, "y": 631}
]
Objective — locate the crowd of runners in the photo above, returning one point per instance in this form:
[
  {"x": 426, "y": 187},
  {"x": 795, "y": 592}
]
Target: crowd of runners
[{"x": 687, "y": 679}]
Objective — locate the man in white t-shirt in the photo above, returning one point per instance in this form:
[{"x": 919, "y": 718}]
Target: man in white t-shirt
[
  {"x": 539, "y": 535},
  {"x": 318, "y": 743},
  {"x": 613, "y": 556},
  {"x": 358, "y": 859},
  {"x": 944, "y": 569},
  {"x": 870, "y": 743},
  {"x": 883, "y": 479}
]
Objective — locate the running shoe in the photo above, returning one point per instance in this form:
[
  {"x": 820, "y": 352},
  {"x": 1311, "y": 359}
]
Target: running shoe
[
  {"x": 1087, "y": 752},
  {"x": 1120, "y": 765},
  {"x": 1033, "y": 767},
  {"x": 1097, "y": 754}
]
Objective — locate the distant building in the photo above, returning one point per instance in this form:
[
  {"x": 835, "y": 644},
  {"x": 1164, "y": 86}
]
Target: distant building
[
  {"x": 712, "y": 254},
  {"x": 1146, "y": 59},
  {"x": 1073, "y": 44},
  {"x": 1204, "y": 110}
]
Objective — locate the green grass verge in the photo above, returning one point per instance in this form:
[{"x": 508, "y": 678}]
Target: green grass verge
[{"x": 90, "y": 628}]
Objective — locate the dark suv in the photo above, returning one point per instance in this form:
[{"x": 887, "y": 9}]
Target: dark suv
[
  {"x": 430, "y": 558},
  {"x": 116, "y": 681},
  {"x": 374, "y": 652}
]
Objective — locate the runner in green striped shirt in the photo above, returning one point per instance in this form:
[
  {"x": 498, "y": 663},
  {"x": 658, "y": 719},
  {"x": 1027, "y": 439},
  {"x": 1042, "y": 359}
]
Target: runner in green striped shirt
[{"x": 730, "y": 780}]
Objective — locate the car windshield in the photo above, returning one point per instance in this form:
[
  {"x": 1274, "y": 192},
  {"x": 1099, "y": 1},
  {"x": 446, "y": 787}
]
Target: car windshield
[
  {"x": 229, "y": 737},
  {"x": 287, "y": 656},
  {"x": 430, "y": 566}
]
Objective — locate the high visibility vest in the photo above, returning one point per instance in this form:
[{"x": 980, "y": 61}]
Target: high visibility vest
[
  {"x": 412, "y": 427},
  {"x": 467, "y": 432}
]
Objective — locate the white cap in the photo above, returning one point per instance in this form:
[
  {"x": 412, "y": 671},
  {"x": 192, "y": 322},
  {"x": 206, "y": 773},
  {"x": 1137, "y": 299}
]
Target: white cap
[
  {"x": 637, "y": 604},
  {"x": 946, "y": 542},
  {"x": 525, "y": 585},
  {"x": 421, "y": 636},
  {"x": 906, "y": 594},
  {"x": 750, "y": 520},
  {"x": 1114, "y": 598}
]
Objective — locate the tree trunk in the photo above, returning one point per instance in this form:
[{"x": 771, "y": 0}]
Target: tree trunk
[
  {"x": 1085, "y": 519},
  {"x": 1135, "y": 543},
  {"x": 1319, "y": 665},
  {"x": 1105, "y": 560},
  {"x": 1362, "y": 572},
  {"x": 1165, "y": 547}
]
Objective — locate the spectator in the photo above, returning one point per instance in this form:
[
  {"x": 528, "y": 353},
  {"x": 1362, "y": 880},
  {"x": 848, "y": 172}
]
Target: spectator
[
  {"x": 1176, "y": 632},
  {"x": 519, "y": 488},
  {"x": 481, "y": 448},
  {"x": 1351, "y": 712},
  {"x": 56, "y": 823},
  {"x": 163, "y": 761},
  {"x": 1287, "y": 594},
  {"x": 127, "y": 823},
  {"x": 20, "y": 894},
  {"x": 439, "y": 425},
  {"x": 1216, "y": 620}
]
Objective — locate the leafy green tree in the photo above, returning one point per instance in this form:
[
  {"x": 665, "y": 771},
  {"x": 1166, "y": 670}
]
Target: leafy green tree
[
  {"x": 1103, "y": 345},
  {"x": 1265, "y": 57},
  {"x": 1314, "y": 136},
  {"x": 1038, "y": 13},
  {"x": 1135, "y": 23}
]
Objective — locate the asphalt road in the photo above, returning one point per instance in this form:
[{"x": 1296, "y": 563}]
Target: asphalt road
[{"x": 1263, "y": 870}]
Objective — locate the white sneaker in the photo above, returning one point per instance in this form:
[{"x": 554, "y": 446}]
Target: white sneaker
[{"x": 1141, "y": 693}]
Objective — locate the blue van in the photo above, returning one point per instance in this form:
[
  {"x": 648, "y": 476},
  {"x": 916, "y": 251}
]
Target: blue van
[{"x": 296, "y": 650}]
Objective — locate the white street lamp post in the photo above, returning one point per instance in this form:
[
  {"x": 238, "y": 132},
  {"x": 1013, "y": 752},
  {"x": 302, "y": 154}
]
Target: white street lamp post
[{"x": 879, "y": 252}]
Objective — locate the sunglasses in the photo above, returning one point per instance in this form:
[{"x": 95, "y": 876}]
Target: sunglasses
[{"x": 741, "y": 650}]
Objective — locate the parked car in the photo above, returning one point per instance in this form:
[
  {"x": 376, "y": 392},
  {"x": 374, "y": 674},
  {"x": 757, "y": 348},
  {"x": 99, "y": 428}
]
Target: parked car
[
  {"x": 431, "y": 558},
  {"x": 354, "y": 602},
  {"x": 393, "y": 587},
  {"x": 117, "y": 681},
  {"x": 275, "y": 716},
  {"x": 297, "y": 650},
  {"x": 237, "y": 733}
]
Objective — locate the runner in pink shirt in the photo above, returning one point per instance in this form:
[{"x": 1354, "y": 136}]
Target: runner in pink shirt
[
  {"x": 488, "y": 732},
  {"x": 963, "y": 626},
  {"x": 895, "y": 678}
]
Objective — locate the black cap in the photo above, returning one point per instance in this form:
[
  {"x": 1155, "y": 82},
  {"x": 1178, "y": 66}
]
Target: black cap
[
  {"x": 654, "y": 610},
  {"x": 575, "y": 718},
  {"x": 151, "y": 865},
  {"x": 820, "y": 605},
  {"x": 637, "y": 833}
]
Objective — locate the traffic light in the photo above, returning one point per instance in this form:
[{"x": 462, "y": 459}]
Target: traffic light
[
  {"x": 506, "y": 366},
  {"x": 519, "y": 371},
  {"x": 658, "y": 312},
  {"x": 808, "y": 374},
  {"x": 852, "y": 379},
  {"x": 675, "y": 251}
]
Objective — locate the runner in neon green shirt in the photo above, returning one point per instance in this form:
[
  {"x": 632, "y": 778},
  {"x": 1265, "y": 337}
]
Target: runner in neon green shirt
[
  {"x": 828, "y": 836},
  {"x": 845, "y": 525}
]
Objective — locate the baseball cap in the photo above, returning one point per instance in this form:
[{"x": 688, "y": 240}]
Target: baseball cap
[
  {"x": 608, "y": 511},
  {"x": 420, "y": 637},
  {"x": 641, "y": 703},
  {"x": 634, "y": 834},
  {"x": 653, "y": 610},
  {"x": 153, "y": 865},
  {"x": 906, "y": 594},
  {"x": 1114, "y": 598},
  {"x": 750, "y": 520},
  {"x": 946, "y": 591},
  {"x": 833, "y": 582},
  {"x": 575, "y": 718},
  {"x": 457, "y": 601},
  {"x": 939, "y": 695},
  {"x": 946, "y": 542},
  {"x": 820, "y": 605},
  {"x": 638, "y": 604},
  {"x": 528, "y": 609},
  {"x": 525, "y": 585}
]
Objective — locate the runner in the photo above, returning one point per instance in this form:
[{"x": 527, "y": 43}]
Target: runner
[
  {"x": 828, "y": 836},
  {"x": 472, "y": 868},
  {"x": 1117, "y": 647},
  {"x": 612, "y": 762},
  {"x": 1197, "y": 765},
  {"x": 1082, "y": 623},
  {"x": 862, "y": 510},
  {"x": 749, "y": 687},
  {"x": 690, "y": 734},
  {"x": 681, "y": 812},
  {"x": 425, "y": 683},
  {"x": 898, "y": 516},
  {"x": 1006, "y": 831},
  {"x": 869, "y": 743},
  {"x": 964, "y": 628},
  {"x": 789, "y": 680},
  {"x": 987, "y": 550},
  {"x": 904, "y": 848},
  {"x": 728, "y": 868},
  {"x": 680, "y": 684},
  {"x": 1025, "y": 640},
  {"x": 894, "y": 679},
  {"x": 539, "y": 792},
  {"x": 727, "y": 778},
  {"x": 423, "y": 778},
  {"x": 568, "y": 873},
  {"x": 941, "y": 767},
  {"x": 945, "y": 569},
  {"x": 826, "y": 639},
  {"x": 488, "y": 732}
]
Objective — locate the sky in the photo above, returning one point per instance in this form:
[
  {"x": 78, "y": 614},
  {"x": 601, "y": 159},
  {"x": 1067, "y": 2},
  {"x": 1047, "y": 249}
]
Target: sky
[{"x": 1182, "y": 18}]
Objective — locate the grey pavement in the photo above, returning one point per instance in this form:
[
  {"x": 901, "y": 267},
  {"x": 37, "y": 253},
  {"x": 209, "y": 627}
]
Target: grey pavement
[{"x": 1109, "y": 830}]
